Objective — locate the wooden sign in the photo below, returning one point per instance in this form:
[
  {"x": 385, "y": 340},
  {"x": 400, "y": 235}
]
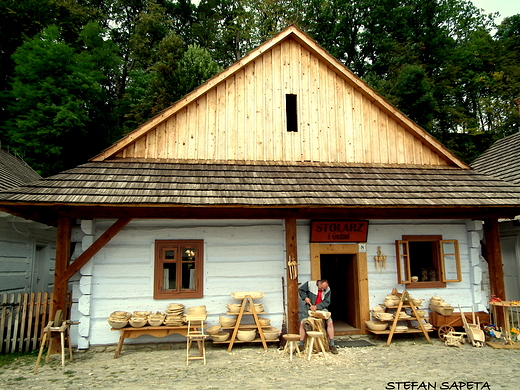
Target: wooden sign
[{"x": 339, "y": 231}]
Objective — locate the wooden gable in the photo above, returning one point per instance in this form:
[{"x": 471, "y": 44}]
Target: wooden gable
[{"x": 240, "y": 114}]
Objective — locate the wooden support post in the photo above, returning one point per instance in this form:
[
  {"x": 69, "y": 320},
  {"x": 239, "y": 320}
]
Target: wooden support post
[
  {"x": 292, "y": 283},
  {"x": 493, "y": 255},
  {"x": 61, "y": 286}
]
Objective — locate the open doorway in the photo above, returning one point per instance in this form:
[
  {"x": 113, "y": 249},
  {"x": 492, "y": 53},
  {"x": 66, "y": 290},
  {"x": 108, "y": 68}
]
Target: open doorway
[
  {"x": 339, "y": 269},
  {"x": 345, "y": 267}
]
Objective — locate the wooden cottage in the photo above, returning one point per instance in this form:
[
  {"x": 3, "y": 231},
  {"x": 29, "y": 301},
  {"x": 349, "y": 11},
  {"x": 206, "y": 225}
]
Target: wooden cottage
[{"x": 284, "y": 156}]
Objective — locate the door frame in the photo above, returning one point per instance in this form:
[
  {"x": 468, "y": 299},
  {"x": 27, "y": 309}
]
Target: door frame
[{"x": 361, "y": 300}]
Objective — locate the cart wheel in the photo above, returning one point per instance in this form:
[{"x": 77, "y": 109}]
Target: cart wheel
[{"x": 444, "y": 330}]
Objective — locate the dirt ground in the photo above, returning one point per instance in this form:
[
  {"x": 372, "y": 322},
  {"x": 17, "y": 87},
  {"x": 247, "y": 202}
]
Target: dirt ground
[{"x": 408, "y": 363}]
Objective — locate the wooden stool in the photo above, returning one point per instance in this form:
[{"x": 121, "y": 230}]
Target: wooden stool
[
  {"x": 292, "y": 341},
  {"x": 315, "y": 335},
  {"x": 196, "y": 333},
  {"x": 61, "y": 327}
]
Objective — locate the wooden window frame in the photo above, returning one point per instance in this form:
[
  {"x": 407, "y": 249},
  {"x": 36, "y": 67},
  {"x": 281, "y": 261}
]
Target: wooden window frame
[
  {"x": 440, "y": 258},
  {"x": 160, "y": 246}
]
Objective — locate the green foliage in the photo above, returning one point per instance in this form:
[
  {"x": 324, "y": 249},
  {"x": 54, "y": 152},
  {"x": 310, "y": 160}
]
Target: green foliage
[
  {"x": 58, "y": 99},
  {"x": 72, "y": 82}
]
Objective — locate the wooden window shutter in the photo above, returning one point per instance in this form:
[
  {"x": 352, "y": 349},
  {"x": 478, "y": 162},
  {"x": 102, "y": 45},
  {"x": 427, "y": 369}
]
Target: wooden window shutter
[
  {"x": 403, "y": 262},
  {"x": 450, "y": 261}
]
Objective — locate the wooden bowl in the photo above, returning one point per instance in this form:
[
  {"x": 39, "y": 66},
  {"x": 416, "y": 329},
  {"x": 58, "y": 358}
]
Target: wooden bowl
[
  {"x": 376, "y": 325},
  {"x": 117, "y": 323},
  {"x": 215, "y": 329},
  {"x": 264, "y": 321},
  {"x": 243, "y": 294},
  {"x": 271, "y": 335},
  {"x": 246, "y": 334},
  {"x": 138, "y": 322},
  {"x": 227, "y": 322},
  {"x": 220, "y": 336},
  {"x": 141, "y": 314}
]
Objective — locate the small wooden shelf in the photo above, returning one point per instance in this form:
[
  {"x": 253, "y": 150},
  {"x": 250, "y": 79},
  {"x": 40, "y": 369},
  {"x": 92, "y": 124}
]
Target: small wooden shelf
[
  {"x": 247, "y": 299},
  {"x": 405, "y": 303}
]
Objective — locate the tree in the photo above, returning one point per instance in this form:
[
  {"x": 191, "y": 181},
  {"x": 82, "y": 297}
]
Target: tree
[{"x": 58, "y": 114}]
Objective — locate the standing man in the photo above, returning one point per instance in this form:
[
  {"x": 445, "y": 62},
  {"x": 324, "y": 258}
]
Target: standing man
[{"x": 316, "y": 295}]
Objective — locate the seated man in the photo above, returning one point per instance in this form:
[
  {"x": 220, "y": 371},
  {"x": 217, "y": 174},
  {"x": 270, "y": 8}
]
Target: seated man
[{"x": 316, "y": 295}]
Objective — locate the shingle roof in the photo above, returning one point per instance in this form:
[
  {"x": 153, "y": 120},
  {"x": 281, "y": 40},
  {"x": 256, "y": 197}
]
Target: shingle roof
[
  {"x": 501, "y": 160},
  {"x": 14, "y": 172},
  {"x": 268, "y": 184}
]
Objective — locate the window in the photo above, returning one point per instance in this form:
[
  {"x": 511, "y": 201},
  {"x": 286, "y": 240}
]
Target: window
[
  {"x": 178, "y": 269},
  {"x": 291, "y": 110},
  {"x": 427, "y": 261}
]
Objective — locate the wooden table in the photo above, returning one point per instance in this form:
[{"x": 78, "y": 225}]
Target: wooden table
[
  {"x": 156, "y": 331},
  {"x": 507, "y": 311}
]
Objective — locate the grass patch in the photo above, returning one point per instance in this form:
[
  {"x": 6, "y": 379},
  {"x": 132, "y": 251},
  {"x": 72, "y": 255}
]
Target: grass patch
[{"x": 18, "y": 357}]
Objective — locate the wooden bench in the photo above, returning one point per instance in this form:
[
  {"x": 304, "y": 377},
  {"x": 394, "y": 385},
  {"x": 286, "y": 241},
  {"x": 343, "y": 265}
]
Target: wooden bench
[{"x": 156, "y": 331}]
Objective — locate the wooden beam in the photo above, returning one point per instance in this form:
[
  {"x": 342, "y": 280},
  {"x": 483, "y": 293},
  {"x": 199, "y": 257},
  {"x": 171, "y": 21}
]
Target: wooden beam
[
  {"x": 94, "y": 248},
  {"x": 292, "y": 283},
  {"x": 48, "y": 214},
  {"x": 61, "y": 286},
  {"x": 493, "y": 255},
  {"x": 62, "y": 260}
]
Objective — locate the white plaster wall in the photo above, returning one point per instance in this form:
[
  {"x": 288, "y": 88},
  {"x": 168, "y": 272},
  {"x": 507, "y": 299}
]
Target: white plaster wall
[
  {"x": 247, "y": 256},
  {"x": 238, "y": 256},
  {"x": 468, "y": 292}
]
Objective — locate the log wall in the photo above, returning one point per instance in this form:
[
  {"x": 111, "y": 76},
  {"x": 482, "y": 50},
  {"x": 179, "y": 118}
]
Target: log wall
[{"x": 247, "y": 256}]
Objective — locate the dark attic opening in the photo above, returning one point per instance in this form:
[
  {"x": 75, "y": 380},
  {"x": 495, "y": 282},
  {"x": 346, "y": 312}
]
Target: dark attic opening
[{"x": 290, "y": 109}]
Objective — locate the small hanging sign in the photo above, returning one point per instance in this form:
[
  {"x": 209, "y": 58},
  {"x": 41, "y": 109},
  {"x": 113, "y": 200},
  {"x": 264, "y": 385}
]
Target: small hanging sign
[{"x": 339, "y": 231}]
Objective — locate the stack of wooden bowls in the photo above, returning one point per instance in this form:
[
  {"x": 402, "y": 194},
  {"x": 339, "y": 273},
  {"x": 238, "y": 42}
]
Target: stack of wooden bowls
[
  {"x": 119, "y": 319},
  {"x": 197, "y": 311},
  {"x": 438, "y": 305},
  {"x": 156, "y": 319},
  {"x": 233, "y": 307},
  {"x": 139, "y": 319},
  {"x": 174, "y": 315},
  {"x": 391, "y": 301}
]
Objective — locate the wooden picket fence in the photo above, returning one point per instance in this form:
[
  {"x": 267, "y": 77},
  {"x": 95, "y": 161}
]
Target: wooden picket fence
[{"x": 22, "y": 319}]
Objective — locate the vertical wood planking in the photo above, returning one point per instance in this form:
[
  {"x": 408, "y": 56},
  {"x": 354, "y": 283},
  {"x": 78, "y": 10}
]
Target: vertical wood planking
[
  {"x": 277, "y": 110},
  {"x": 261, "y": 81},
  {"x": 341, "y": 119},
  {"x": 239, "y": 127},
  {"x": 306, "y": 105},
  {"x": 314, "y": 135},
  {"x": 249, "y": 112},
  {"x": 243, "y": 118},
  {"x": 268, "y": 117},
  {"x": 324, "y": 125},
  {"x": 211, "y": 121}
]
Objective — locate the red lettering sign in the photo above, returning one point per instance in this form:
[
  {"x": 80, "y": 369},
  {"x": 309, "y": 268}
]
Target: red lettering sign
[{"x": 339, "y": 231}]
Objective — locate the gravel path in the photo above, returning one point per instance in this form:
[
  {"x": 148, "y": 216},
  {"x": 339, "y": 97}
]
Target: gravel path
[{"x": 408, "y": 363}]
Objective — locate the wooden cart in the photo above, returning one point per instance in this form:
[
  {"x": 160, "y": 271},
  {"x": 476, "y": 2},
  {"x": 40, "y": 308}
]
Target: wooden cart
[{"x": 447, "y": 324}]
